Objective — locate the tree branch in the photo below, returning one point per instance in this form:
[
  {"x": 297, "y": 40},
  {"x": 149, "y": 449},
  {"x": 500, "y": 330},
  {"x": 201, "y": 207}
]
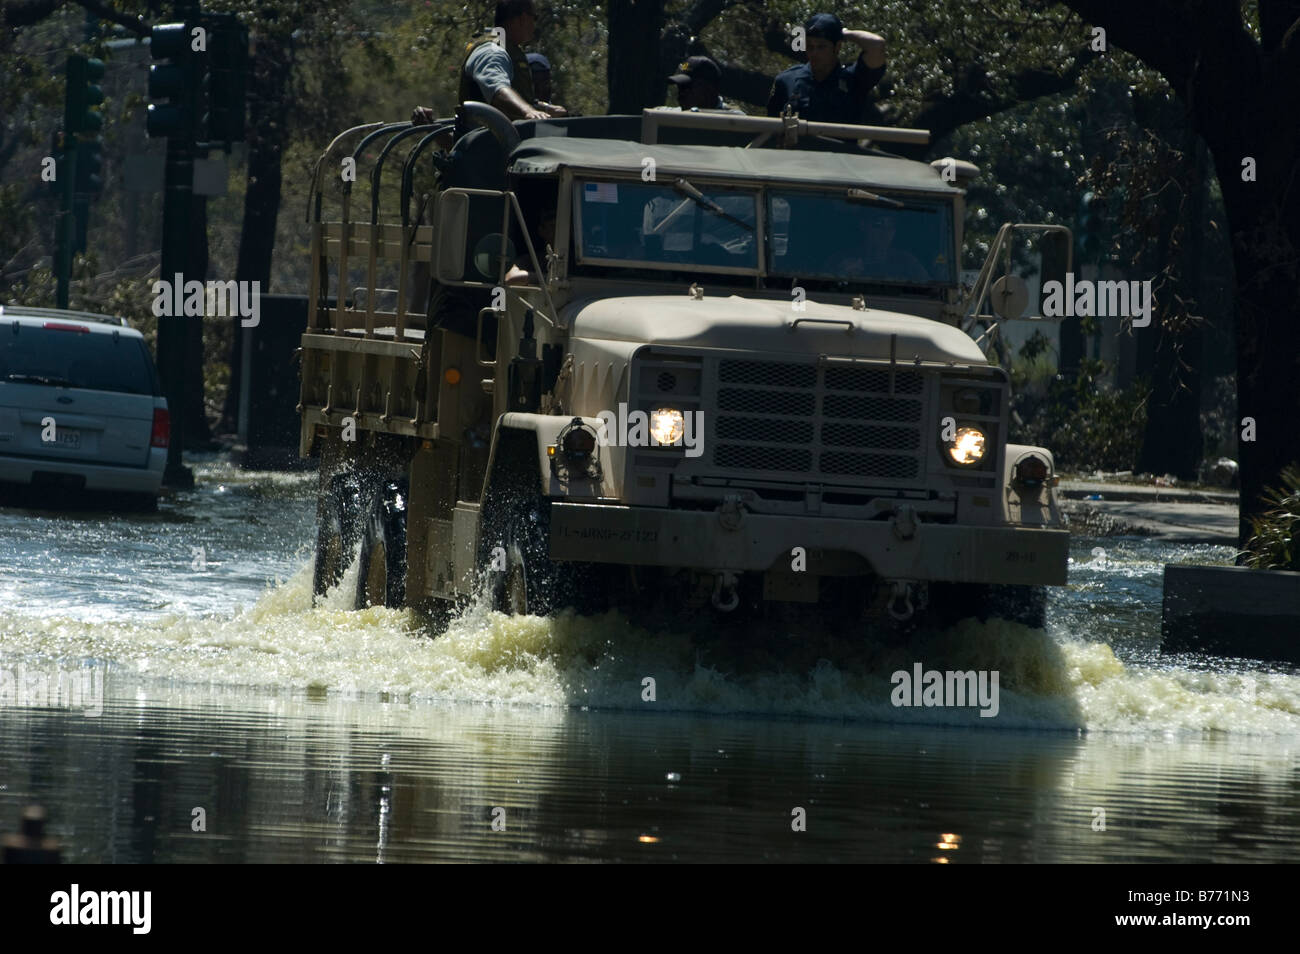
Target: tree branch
[
  {"x": 1196, "y": 54},
  {"x": 703, "y": 12},
  {"x": 745, "y": 85},
  {"x": 21, "y": 13},
  {"x": 777, "y": 40},
  {"x": 1158, "y": 32},
  {"x": 102, "y": 10},
  {"x": 1276, "y": 17},
  {"x": 973, "y": 99}
]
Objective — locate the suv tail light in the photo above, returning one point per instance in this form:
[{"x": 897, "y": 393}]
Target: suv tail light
[{"x": 162, "y": 428}]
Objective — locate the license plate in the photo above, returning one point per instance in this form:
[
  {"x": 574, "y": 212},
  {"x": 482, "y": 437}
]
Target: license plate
[{"x": 68, "y": 437}]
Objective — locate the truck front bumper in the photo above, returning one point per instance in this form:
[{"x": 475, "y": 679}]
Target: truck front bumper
[{"x": 710, "y": 540}]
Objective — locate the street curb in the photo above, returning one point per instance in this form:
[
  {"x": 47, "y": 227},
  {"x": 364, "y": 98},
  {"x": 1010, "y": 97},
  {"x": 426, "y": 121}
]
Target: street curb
[{"x": 1079, "y": 490}]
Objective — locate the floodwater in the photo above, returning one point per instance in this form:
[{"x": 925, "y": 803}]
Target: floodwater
[{"x": 168, "y": 693}]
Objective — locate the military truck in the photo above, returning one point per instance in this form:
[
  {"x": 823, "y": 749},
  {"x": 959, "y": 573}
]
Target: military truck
[{"x": 689, "y": 361}]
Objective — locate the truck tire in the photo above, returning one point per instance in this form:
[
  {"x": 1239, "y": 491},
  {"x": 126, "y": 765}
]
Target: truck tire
[
  {"x": 1019, "y": 603},
  {"x": 381, "y": 575},
  {"x": 336, "y": 533},
  {"x": 520, "y": 578}
]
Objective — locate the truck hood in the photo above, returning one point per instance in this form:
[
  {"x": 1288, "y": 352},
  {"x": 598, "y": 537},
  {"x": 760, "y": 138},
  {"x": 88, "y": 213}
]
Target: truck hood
[{"x": 749, "y": 324}]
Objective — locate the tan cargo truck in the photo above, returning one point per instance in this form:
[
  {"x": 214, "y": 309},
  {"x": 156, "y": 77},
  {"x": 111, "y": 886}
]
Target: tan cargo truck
[{"x": 694, "y": 362}]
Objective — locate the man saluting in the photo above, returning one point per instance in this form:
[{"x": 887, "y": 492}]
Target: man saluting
[{"x": 824, "y": 90}]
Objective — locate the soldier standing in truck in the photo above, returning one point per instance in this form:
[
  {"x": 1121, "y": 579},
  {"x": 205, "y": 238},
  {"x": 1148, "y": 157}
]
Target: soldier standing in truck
[
  {"x": 697, "y": 81},
  {"x": 541, "y": 69},
  {"x": 501, "y": 76},
  {"x": 499, "y": 73},
  {"x": 823, "y": 89}
]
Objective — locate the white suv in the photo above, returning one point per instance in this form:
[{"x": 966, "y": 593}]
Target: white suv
[{"x": 80, "y": 406}]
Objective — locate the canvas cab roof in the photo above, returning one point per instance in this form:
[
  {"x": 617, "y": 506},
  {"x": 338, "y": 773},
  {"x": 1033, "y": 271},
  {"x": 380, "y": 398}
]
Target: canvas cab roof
[{"x": 547, "y": 155}]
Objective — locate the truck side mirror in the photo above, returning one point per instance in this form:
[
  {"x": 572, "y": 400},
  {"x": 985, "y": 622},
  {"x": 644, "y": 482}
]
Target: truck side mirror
[
  {"x": 467, "y": 237},
  {"x": 450, "y": 225}
]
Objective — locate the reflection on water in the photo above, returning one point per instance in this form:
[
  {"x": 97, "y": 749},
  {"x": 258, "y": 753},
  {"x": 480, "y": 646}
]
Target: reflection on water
[
  {"x": 327, "y": 779},
  {"x": 326, "y": 734}
]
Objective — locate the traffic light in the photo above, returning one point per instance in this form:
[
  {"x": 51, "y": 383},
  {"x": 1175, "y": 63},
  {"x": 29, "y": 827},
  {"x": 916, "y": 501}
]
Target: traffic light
[
  {"x": 175, "y": 84},
  {"x": 90, "y": 163},
  {"x": 84, "y": 94},
  {"x": 228, "y": 71},
  {"x": 1089, "y": 230}
]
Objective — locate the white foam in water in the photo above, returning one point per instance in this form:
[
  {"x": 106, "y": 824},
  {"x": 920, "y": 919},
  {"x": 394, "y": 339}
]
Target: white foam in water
[{"x": 283, "y": 643}]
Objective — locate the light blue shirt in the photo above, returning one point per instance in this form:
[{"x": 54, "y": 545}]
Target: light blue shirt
[{"x": 489, "y": 66}]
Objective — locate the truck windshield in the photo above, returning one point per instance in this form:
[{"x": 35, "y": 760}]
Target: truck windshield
[
  {"x": 663, "y": 226},
  {"x": 829, "y": 235}
]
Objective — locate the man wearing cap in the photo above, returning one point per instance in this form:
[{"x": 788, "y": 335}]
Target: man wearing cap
[
  {"x": 823, "y": 89},
  {"x": 697, "y": 81},
  {"x": 541, "y": 68}
]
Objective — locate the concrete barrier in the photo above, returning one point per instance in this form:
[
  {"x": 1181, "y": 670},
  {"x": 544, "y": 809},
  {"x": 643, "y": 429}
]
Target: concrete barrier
[
  {"x": 1231, "y": 611},
  {"x": 269, "y": 386}
]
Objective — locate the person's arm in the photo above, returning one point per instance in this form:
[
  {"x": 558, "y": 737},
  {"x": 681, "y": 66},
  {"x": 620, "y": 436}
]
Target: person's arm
[
  {"x": 513, "y": 105},
  {"x": 872, "y": 46},
  {"x": 490, "y": 68},
  {"x": 776, "y": 100}
]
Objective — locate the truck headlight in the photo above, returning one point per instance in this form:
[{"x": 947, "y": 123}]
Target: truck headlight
[
  {"x": 967, "y": 447},
  {"x": 667, "y": 425}
]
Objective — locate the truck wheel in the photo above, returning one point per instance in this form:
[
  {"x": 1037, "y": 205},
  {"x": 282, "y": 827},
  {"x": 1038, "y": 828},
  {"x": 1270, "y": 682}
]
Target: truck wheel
[
  {"x": 336, "y": 532},
  {"x": 381, "y": 575},
  {"x": 1018, "y": 603},
  {"x": 520, "y": 576}
]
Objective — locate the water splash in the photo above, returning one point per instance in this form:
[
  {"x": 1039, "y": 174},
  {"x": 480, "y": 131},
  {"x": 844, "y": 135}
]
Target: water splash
[{"x": 283, "y": 643}]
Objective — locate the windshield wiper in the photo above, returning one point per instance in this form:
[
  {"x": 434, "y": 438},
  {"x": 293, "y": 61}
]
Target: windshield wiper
[
  {"x": 862, "y": 195},
  {"x": 39, "y": 379},
  {"x": 682, "y": 187}
]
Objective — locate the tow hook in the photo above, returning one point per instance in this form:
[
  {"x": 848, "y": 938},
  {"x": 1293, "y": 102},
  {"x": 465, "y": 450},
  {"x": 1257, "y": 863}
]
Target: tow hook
[
  {"x": 905, "y": 522},
  {"x": 731, "y": 512},
  {"x": 724, "y": 582},
  {"x": 900, "y": 602}
]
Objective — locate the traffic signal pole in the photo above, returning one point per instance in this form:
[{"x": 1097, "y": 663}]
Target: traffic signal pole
[
  {"x": 173, "y": 113},
  {"x": 81, "y": 125},
  {"x": 66, "y": 226},
  {"x": 178, "y": 179},
  {"x": 196, "y": 95}
]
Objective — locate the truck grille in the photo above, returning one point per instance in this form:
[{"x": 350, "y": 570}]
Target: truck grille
[{"x": 811, "y": 422}]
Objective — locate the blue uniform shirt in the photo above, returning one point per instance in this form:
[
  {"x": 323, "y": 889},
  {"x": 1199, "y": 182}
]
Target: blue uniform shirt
[{"x": 840, "y": 98}]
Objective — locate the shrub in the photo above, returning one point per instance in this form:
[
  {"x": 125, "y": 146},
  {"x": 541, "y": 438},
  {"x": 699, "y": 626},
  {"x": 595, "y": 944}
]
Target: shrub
[{"x": 1272, "y": 545}]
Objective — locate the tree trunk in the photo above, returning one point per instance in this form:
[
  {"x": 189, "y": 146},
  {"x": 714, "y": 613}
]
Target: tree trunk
[
  {"x": 635, "y": 71},
  {"x": 1172, "y": 355},
  {"x": 1242, "y": 91},
  {"x": 1266, "y": 236},
  {"x": 268, "y": 112}
]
